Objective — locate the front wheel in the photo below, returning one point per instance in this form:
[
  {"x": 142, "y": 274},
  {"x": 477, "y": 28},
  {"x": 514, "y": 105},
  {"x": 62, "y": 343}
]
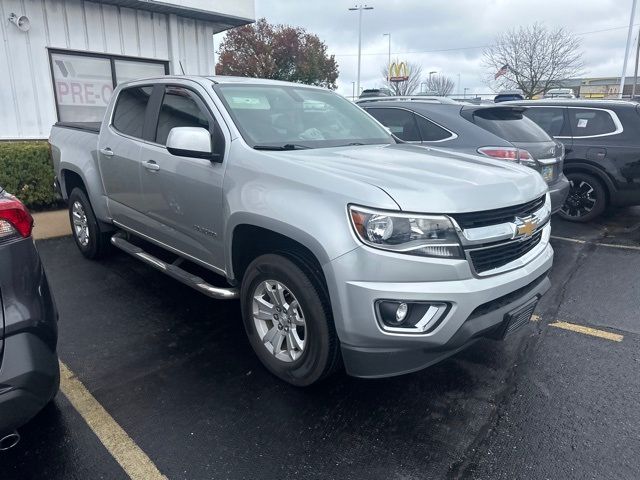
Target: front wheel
[
  {"x": 586, "y": 200},
  {"x": 288, "y": 320}
]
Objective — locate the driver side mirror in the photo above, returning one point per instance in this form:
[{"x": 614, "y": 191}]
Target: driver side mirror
[{"x": 190, "y": 142}]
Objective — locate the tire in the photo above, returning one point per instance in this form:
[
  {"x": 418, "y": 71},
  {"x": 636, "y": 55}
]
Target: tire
[
  {"x": 587, "y": 198},
  {"x": 308, "y": 323},
  {"x": 91, "y": 241}
]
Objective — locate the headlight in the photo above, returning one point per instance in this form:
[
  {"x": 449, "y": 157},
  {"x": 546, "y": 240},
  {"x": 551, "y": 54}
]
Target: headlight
[{"x": 423, "y": 235}]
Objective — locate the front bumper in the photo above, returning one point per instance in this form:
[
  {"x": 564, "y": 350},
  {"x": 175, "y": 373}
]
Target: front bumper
[
  {"x": 478, "y": 306},
  {"x": 558, "y": 192}
]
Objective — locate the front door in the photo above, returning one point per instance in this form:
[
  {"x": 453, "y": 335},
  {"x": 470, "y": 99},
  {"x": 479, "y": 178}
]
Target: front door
[{"x": 183, "y": 195}]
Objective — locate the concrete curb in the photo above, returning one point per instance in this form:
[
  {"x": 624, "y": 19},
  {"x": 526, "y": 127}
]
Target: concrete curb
[{"x": 51, "y": 224}]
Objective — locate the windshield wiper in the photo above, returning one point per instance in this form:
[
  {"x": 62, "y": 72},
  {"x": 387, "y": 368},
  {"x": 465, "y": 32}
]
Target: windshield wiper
[{"x": 286, "y": 146}]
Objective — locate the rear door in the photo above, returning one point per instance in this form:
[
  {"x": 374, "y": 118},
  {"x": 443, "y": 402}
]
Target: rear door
[
  {"x": 119, "y": 154},
  {"x": 184, "y": 196},
  {"x": 410, "y": 126}
]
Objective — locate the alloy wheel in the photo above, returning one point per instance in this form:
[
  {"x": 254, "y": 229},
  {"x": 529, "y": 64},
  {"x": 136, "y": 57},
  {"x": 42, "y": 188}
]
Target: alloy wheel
[
  {"x": 581, "y": 199},
  {"x": 80, "y": 223},
  {"x": 279, "y": 320}
]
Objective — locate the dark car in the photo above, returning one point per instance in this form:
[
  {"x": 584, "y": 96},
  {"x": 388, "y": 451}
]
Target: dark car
[
  {"x": 602, "y": 144},
  {"x": 375, "y": 92},
  {"x": 496, "y": 131},
  {"x": 29, "y": 372},
  {"x": 508, "y": 96}
]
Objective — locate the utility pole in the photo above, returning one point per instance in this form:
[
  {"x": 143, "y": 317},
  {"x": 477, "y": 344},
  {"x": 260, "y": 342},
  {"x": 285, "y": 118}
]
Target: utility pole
[
  {"x": 626, "y": 50},
  {"x": 360, "y": 8},
  {"x": 353, "y": 90},
  {"x": 635, "y": 73},
  {"x": 458, "y": 84},
  {"x": 389, "y": 59}
]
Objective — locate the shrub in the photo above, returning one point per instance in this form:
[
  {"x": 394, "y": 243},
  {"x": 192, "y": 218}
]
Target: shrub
[{"x": 26, "y": 170}]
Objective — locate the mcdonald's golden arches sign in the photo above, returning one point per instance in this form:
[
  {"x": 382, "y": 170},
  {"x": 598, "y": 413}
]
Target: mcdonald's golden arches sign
[{"x": 398, "y": 72}]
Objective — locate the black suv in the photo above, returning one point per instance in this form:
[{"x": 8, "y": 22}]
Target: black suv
[
  {"x": 602, "y": 144},
  {"x": 497, "y": 131}
]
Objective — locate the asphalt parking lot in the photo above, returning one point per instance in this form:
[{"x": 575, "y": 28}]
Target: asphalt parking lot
[{"x": 174, "y": 371}]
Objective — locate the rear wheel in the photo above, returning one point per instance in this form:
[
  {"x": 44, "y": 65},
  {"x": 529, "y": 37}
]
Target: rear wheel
[
  {"x": 586, "y": 200},
  {"x": 91, "y": 242},
  {"x": 288, "y": 320}
]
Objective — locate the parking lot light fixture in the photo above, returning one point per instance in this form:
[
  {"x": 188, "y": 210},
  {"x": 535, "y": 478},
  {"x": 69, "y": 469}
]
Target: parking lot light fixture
[{"x": 359, "y": 8}]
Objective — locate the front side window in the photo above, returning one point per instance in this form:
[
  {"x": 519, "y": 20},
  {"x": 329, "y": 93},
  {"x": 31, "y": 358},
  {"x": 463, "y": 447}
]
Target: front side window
[
  {"x": 180, "y": 108},
  {"x": 130, "y": 109},
  {"x": 551, "y": 119},
  {"x": 279, "y": 115},
  {"x": 586, "y": 122},
  {"x": 401, "y": 123}
]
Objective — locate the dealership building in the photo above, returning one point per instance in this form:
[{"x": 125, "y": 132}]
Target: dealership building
[{"x": 61, "y": 59}]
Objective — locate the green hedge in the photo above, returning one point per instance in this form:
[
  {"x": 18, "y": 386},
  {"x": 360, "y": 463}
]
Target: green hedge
[{"x": 26, "y": 170}]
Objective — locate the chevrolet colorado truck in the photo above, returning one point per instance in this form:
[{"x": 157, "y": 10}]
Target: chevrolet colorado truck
[{"x": 343, "y": 245}]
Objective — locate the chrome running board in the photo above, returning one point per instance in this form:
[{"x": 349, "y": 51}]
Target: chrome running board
[{"x": 174, "y": 271}]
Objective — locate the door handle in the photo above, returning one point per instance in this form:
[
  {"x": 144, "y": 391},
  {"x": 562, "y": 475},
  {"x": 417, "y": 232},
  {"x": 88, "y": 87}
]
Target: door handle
[
  {"x": 151, "y": 165},
  {"x": 107, "y": 152}
]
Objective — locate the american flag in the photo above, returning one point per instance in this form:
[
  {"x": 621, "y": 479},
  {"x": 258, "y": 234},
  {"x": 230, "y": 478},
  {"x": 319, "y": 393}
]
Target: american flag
[{"x": 502, "y": 71}]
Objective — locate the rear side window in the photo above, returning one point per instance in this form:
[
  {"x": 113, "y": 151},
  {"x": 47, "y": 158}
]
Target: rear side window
[
  {"x": 550, "y": 119},
  {"x": 430, "y": 132},
  {"x": 128, "y": 116},
  {"x": 586, "y": 122},
  {"x": 180, "y": 108},
  {"x": 510, "y": 125},
  {"x": 402, "y": 123}
]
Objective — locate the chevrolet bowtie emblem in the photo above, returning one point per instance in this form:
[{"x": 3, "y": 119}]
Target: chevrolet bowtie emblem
[{"x": 526, "y": 227}]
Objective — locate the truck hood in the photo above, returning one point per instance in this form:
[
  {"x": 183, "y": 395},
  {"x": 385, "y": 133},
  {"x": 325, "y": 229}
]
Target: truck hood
[{"x": 426, "y": 180}]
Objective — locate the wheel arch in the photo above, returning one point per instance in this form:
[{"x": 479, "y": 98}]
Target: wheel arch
[{"x": 250, "y": 238}]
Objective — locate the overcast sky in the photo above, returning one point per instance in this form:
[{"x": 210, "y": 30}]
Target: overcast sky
[{"x": 422, "y": 29}]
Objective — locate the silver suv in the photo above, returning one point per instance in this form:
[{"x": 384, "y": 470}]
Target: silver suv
[{"x": 343, "y": 246}]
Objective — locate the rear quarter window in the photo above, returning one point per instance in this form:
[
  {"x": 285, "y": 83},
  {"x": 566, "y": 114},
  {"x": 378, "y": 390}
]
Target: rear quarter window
[
  {"x": 586, "y": 122},
  {"x": 511, "y": 125}
]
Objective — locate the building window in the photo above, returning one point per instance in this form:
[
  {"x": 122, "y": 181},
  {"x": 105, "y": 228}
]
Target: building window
[{"x": 83, "y": 83}]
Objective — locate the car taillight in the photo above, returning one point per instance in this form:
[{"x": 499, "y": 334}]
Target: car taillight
[
  {"x": 517, "y": 155},
  {"x": 15, "y": 219}
]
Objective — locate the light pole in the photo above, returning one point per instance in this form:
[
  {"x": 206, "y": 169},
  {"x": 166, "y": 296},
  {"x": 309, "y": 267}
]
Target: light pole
[
  {"x": 465, "y": 92},
  {"x": 389, "y": 59},
  {"x": 353, "y": 90},
  {"x": 360, "y": 8},
  {"x": 458, "y": 84},
  {"x": 626, "y": 50},
  {"x": 429, "y": 84}
]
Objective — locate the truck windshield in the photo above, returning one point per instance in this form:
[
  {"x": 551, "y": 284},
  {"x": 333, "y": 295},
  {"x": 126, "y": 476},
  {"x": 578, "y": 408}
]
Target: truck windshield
[{"x": 290, "y": 117}]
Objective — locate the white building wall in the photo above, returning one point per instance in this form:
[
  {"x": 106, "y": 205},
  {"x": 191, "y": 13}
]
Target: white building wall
[{"x": 27, "y": 105}]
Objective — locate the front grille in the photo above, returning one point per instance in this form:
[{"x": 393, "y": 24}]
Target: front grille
[
  {"x": 495, "y": 257},
  {"x": 500, "y": 215}
]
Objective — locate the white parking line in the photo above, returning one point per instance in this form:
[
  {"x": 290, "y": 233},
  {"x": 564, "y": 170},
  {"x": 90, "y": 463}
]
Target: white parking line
[
  {"x": 122, "y": 448},
  {"x": 610, "y": 245}
]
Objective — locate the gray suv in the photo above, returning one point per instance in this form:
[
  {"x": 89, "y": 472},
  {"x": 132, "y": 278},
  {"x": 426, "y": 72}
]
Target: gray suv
[{"x": 344, "y": 247}]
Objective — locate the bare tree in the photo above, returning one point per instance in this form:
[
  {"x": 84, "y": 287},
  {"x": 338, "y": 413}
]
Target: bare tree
[
  {"x": 440, "y": 85},
  {"x": 533, "y": 59},
  {"x": 406, "y": 87}
]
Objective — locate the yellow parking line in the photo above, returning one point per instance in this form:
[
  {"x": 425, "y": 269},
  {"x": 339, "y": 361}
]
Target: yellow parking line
[
  {"x": 588, "y": 331},
  {"x": 124, "y": 450},
  {"x": 599, "y": 244}
]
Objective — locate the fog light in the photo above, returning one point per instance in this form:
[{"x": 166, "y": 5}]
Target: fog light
[
  {"x": 409, "y": 317},
  {"x": 401, "y": 312}
]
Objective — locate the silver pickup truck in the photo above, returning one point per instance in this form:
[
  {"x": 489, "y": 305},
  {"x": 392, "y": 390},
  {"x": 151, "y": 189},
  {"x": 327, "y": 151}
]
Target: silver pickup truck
[{"x": 344, "y": 246}]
